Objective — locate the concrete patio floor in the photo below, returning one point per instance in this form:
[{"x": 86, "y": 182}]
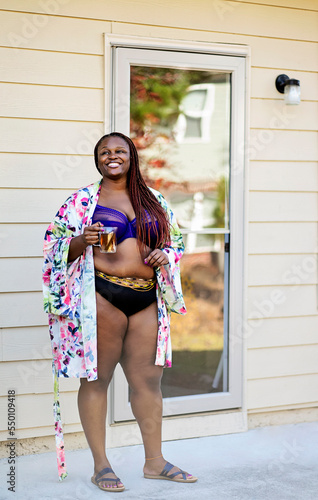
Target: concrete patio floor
[{"x": 268, "y": 463}]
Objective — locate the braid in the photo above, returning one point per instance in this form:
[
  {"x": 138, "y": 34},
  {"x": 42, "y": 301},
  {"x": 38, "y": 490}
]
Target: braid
[{"x": 142, "y": 199}]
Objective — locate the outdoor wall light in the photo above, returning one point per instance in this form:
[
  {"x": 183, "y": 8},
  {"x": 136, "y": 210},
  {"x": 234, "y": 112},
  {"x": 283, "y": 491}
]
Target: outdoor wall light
[{"x": 289, "y": 87}]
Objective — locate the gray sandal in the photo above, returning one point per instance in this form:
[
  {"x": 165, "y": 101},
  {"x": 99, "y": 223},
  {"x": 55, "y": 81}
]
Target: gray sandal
[
  {"x": 164, "y": 474},
  {"x": 100, "y": 479}
]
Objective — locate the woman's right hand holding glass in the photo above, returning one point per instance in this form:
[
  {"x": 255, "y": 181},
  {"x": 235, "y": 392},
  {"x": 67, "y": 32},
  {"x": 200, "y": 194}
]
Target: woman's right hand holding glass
[
  {"x": 79, "y": 243},
  {"x": 90, "y": 234}
]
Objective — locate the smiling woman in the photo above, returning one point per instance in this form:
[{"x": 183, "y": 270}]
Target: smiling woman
[{"x": 109, "y": 308}]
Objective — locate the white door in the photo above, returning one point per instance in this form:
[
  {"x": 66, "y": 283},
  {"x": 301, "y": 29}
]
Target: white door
[{"x": 185, "y": 113}]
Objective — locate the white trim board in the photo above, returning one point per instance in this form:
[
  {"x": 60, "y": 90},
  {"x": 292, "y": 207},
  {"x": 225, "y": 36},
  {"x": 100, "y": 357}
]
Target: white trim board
[{"x": 186, "y": 427}]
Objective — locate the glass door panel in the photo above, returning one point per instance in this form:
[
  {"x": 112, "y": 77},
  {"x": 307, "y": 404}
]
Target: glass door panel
[
  {"x": 180, "y": 124},
  {"x": 199, "y": 348}
]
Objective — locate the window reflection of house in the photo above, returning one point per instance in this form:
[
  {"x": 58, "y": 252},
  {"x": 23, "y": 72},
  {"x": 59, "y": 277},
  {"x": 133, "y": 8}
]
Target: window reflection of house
[{"x": 194, "y": 121}]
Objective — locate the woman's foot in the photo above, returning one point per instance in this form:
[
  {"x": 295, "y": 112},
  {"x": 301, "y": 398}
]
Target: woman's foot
[
  {"x": 159, "y": 468},
  {"x": 105, "y": 478}
]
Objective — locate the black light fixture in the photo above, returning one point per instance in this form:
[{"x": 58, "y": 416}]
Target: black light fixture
[{"x": 290, "y": 87}]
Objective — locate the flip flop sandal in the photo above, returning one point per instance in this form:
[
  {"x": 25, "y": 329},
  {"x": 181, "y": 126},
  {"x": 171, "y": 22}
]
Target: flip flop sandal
[
  {"x": 164, "y": 474},
  {"x": 100, "y": 479}
]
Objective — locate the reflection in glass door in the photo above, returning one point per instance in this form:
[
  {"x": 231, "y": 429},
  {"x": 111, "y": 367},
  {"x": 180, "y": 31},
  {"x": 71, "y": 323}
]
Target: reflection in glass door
[
  {"x": 180, "y": 123},
  {"x": 179, "y": 110}
]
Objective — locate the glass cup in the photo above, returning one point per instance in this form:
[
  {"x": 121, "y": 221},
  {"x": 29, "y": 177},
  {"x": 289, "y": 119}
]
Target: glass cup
[{"x": 107, "y": 239}]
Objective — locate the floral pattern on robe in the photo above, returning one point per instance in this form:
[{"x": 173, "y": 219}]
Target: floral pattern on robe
[{"x": 70, "y": 301}]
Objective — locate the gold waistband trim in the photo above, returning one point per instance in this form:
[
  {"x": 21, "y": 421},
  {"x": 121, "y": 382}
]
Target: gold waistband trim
[{"x": 135, "y": 283}]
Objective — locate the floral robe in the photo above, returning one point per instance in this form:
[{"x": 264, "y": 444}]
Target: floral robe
[{"x": 70, "y": 301}]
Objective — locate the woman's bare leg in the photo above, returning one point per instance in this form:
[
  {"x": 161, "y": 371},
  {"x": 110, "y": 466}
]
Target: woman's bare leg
[
  {"x": 144, "y": 378},
  {"x": 92, "y": 396}
]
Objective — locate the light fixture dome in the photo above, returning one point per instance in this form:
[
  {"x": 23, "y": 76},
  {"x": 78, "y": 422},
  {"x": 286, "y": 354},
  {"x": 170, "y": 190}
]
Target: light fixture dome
[{"x": 290, "y": 87}]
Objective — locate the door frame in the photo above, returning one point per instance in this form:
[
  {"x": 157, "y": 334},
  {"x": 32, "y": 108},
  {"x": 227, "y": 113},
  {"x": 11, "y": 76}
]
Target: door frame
[{"x": 238, "y": 169}]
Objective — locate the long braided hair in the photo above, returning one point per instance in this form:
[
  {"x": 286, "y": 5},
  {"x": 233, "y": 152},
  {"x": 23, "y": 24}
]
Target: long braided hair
[{"x": 142, "y": 199}]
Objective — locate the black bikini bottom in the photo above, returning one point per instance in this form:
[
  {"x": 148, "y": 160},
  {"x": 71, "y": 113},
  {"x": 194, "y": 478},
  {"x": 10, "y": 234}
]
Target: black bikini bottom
[{"x": 130, "y": 295}]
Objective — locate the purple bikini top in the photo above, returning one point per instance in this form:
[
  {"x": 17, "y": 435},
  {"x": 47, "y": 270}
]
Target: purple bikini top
[{"x": 125, "y": 228}]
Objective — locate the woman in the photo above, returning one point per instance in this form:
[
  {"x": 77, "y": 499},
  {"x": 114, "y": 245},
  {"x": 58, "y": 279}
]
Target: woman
[{"x": 109, "y": 308}]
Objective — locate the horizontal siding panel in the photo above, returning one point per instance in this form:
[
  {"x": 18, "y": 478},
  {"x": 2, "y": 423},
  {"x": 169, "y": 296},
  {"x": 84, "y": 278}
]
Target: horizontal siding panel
[
  {"x": 42, "y": 431},
  {"x": 26, "y": 377},
  {"x": 283, "y": 145},
  {"x": 42, "y": 410},
  {"x": 34, "y": 205},
  {"x": 274, "y": 301},
  {"x": 268, "y": 393},
  {"x": 263, "y": 84},
  {"x": 44, "y": 101},
  {"x": 46, "y": 136},
  {"x": 22, "y": 309},
  {"x": 297, "y": 4},
  {"x": 285, "y": 55},
  {"x": 29, "y": 377},
  {"x": 39, "y": 32},
  {"x": 233, "y": 17},
  {"x": 271, "y": 332},
  {"x": 276, "y": 114},
  {"x": 274, "y": 206},
  {"x": 282, "y": 237},
  {"x": 282, "y": 269},
  {"x": 282, "y": 361},
  {"x": 26, "y": 343},
  {"x": 21, "y": 275},
  {"x": 53, "y": 171},
  {"x": 51, "y": 68},
  {"x": 86, "y": 36},
  {"x": 283, "y": 176},
  {"x": 31, "y": 235}
]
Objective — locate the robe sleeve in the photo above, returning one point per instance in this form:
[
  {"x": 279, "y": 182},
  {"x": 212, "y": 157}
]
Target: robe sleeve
[
  {"x": 168, "y": 276},
  {"x": 59, "y": 276}
]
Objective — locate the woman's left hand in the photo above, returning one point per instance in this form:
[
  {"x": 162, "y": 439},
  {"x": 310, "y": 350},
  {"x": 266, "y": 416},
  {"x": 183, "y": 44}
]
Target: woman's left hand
[{"x": 156, "y": 258}]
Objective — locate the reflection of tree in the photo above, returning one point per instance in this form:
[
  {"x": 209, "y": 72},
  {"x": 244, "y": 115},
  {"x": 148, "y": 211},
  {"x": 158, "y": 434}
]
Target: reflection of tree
[
  {"x": 221, "y": 200},
  {"x": 156, "y": 94}
]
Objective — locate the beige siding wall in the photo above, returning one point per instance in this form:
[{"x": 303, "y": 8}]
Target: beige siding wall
[{"x": 51, "y": 101}]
